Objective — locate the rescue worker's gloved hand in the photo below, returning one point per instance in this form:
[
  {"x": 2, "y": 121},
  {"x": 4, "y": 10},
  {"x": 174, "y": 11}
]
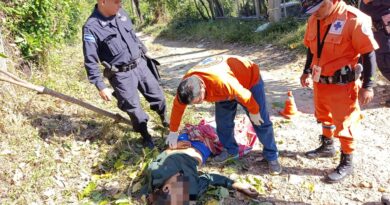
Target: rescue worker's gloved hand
[
  {"x": 256, "y": 118},
  {"x": 305, "y": 80},
  {"x": 105, "y": 94},
  {"x": 366, "y": 95},
  {"x": 245, "y": 189},
  {"x": 172, "y": 140}
]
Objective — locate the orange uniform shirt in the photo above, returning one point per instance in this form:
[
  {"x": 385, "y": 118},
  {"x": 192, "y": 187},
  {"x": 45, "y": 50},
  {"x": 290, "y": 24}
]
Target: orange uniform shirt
[
  {"x": 226, "y": 78},
  {"x": 349, "y": 36}
]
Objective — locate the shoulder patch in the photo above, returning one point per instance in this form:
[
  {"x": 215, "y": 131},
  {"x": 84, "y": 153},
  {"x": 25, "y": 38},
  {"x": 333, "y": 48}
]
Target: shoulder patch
[
  {"x": 337, "y": 27},
  {"x": 366, "y": 29},
  {"x": 354, "y": 11},
  {"x": 123, "y": 18},
  {"x": 89, "y": 38}
]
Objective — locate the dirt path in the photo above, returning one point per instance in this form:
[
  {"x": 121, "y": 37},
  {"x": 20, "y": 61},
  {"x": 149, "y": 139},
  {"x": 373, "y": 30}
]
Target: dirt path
[{"x": 301, "y": 180}]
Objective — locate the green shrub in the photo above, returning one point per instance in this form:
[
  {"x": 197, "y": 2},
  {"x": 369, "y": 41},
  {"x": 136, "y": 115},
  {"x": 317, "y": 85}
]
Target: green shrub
[
  {"x": 287, "y": 33},
  {"x": 38, "y": 25}
]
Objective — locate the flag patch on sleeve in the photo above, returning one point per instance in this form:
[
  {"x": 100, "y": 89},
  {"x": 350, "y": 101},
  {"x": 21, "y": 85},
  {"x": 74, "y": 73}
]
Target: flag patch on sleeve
[{"x": 89, "y": 38}]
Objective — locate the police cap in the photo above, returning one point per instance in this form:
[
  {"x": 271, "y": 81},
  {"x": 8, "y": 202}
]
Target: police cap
[{"x": 311, "y": 6}]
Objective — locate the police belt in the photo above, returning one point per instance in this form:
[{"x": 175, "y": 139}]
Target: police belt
[
  {"x": 342, "y": 76},
  {"x": 126, "y": 68},
  {"x": 122, "y": 68}
]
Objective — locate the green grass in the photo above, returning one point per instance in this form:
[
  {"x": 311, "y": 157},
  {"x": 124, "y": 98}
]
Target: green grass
[
  {"x": 287, "y": 34},
  {"x": 54, "y": 151}
]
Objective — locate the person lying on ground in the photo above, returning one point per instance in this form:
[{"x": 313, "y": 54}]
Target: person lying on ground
[{"x": 173, "y": 177}]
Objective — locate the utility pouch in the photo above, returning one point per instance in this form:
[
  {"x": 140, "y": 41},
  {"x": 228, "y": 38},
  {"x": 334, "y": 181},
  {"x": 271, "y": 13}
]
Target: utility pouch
[
  {"x": 107, "y": 72},
  {"x": 343, "y": 76}
]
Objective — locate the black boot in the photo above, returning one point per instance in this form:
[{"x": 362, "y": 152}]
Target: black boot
[
  {"x": 325, "y": 150},
  {"x": 164, "y": 120},
  {"x": 146, "y": 137},
  {"x": 344, "y": 169},
  {"x": 387, "y": 103}
]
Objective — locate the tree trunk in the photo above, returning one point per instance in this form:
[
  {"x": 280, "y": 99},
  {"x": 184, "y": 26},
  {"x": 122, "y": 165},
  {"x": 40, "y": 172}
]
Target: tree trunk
[
  {"x": 211, "y": 6},
  {"x": 238, "y": 8},
  {"x": 274, "y": 10},
  {"x": 263, "y": 7},
  {"x": 219, "y": 9},
  {"x": 257, "y": 8},
  {"x": 204, "y": 17},
  {"x": 158, "y": 12},
  {"x": 138, "y": 10},
  {"x": 205, "y": 7}
]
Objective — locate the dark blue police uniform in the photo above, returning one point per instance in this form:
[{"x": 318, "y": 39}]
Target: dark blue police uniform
[
  {"x": 376, "y": 9},
  {"x": 113, "y": 40}
]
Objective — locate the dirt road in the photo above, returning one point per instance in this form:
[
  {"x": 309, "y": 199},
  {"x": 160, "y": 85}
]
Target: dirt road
[{"x": 301, "y": 180}]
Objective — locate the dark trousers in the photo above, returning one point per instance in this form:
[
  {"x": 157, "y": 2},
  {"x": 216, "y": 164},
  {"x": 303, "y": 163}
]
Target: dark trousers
[
  {"x": 383, "y": 61},
  {"x": 225, "y": 113},
  {"x": 126, "y": 86},
  {"x": 383, "y": 53}
]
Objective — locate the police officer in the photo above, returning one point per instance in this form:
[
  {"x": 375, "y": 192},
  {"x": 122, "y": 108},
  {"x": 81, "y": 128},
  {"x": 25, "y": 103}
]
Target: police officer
[
  {"x": 379, "y": 10},
  {"x": 336, "y": 36},
  {"x": 109, "y": 38}
]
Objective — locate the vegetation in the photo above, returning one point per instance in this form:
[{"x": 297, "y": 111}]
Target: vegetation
[
  {"x": 47, "y": 143},
  {"x": 288, "y": 33},
  {"x": 38, "y": 25}
]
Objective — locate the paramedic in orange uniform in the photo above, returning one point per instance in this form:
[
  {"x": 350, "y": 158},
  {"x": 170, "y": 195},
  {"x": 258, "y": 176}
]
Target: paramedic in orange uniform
[
  {"x": 227, "y": 81},
  {"x": 336, "y": 36}
]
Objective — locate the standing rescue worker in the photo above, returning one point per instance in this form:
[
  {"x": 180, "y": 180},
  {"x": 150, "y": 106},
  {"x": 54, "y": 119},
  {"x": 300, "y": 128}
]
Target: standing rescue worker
[
  {"x": 336, "y": 36},
  {"x": 227, "y": 81},
  {"x": 109, "y": 39},
  {"x": 379, "y": 10}
]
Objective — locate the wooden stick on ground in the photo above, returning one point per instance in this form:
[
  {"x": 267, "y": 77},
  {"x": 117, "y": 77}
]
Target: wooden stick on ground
[{"x": 43, "y": 90}]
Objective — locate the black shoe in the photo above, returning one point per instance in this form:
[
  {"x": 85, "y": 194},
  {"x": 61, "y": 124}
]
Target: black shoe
[
  {"x": 164, "y": 120},
  {"x": 146, "y": 137},
  {"x": 148, "y": 143},
  {"x": 325, "y": 150},
  {"x": 387, "y": 103},
  {"x": 344, "y": 169},
  {"x": 385, "y": 199}
]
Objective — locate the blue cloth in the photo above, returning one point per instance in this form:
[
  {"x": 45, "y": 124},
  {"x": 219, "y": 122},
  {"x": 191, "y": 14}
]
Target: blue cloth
[
  {"x": 198, "y": 145},
  {"x": 225, "y": 113}
]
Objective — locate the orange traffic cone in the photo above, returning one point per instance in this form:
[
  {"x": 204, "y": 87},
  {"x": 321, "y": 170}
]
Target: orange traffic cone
[{"x": 290, "y": 109}]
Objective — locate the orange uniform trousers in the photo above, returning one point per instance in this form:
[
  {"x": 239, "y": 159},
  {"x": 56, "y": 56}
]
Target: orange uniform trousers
[{"x": 337, "y": 106}]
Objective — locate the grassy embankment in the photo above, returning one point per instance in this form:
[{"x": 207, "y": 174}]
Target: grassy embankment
[
  {"x": 287, "y": 34},
  {"x": 53, "y": 152}
]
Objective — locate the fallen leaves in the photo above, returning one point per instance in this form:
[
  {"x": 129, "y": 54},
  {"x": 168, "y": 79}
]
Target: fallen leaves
[
  {"x": 87, "y": 190},
  {"x": 212, "y": 202},
  {"x": 219, "y": 192},
  {"x": 382, "y": 189},
  {"x": 136, "y": 187},
  {"x": 18, "y": 176},
  {"x": 365, "y": 184}
]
